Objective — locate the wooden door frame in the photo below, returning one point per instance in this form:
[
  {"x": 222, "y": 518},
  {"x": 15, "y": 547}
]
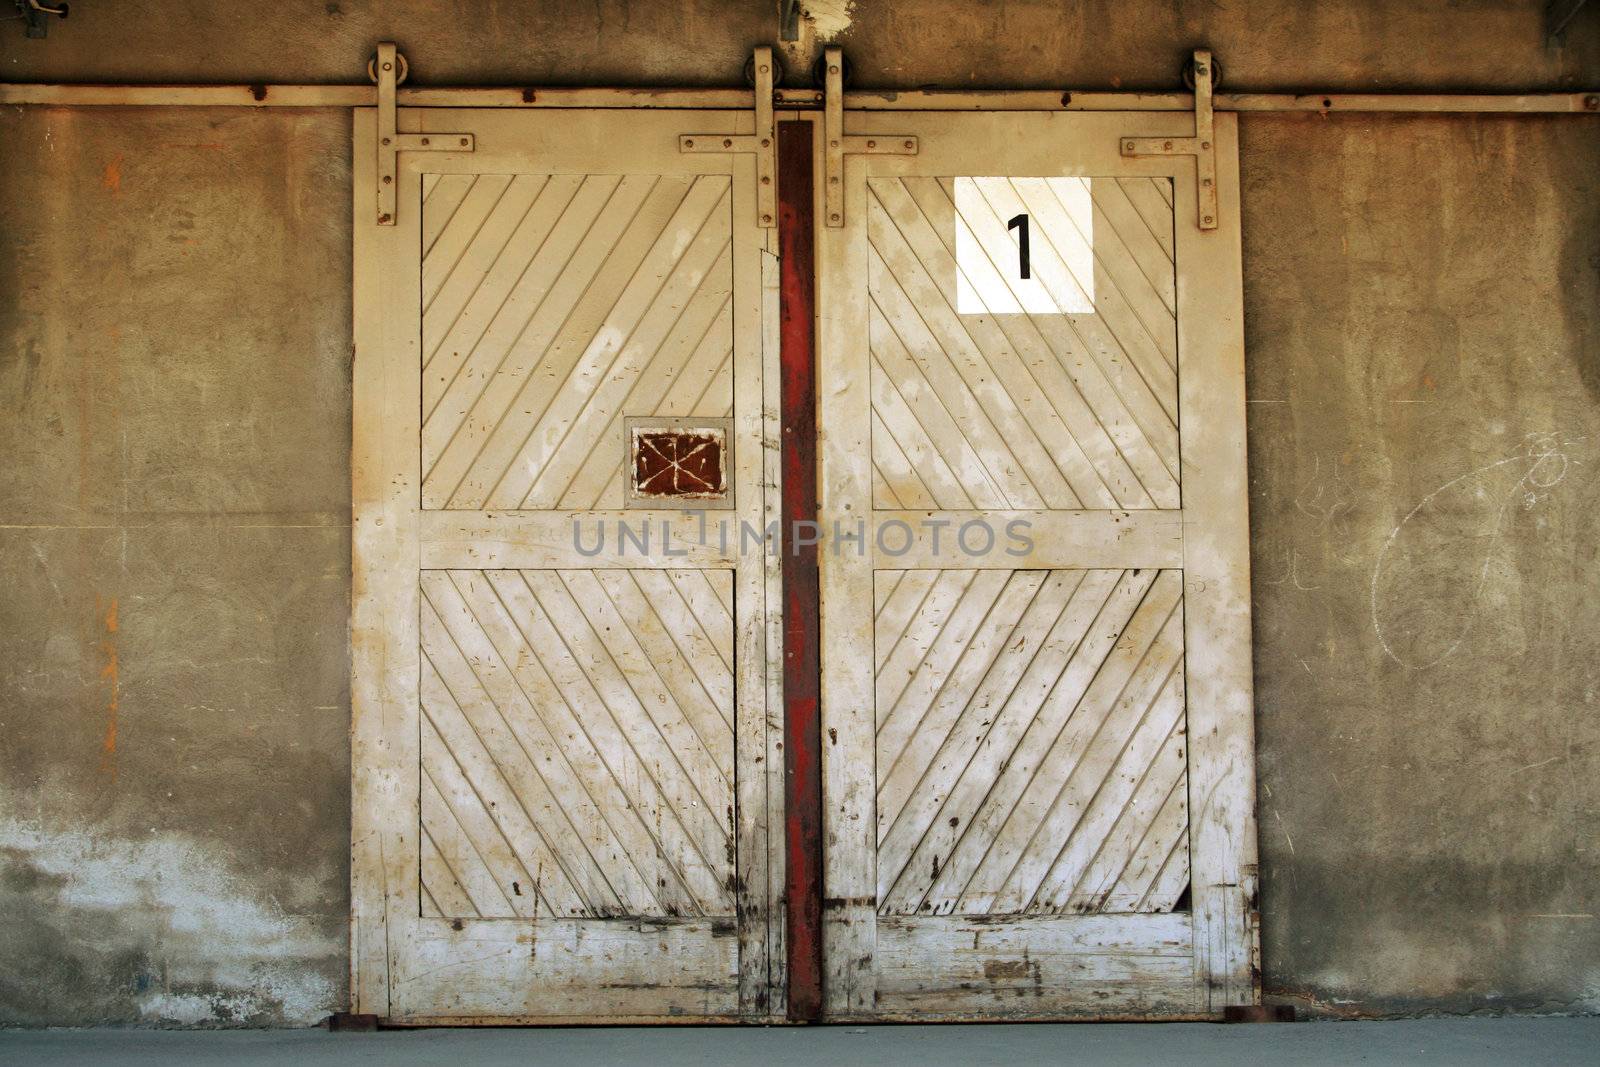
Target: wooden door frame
[
  {"x": 1222, "y": 926},
  {"x": 393, "y": 540}
]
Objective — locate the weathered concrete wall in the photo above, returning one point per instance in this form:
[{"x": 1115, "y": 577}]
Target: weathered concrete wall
[{"x": 1423, "y": 309}]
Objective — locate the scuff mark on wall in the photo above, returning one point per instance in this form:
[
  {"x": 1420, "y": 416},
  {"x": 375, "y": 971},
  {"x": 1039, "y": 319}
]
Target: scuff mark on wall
[
  {"x": 821, "y": 22},
  {"x": 828, "y": 18},
  {"x": 194, "y": 944},
  {"x": 111, "y": 177},
  {"x": 110, "y": 673}
]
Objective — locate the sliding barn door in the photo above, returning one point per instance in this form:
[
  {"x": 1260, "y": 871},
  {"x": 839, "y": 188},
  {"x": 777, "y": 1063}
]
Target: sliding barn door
[
  {"x": 1037, "y": 781},
  {"x": 561, "y": 744}
]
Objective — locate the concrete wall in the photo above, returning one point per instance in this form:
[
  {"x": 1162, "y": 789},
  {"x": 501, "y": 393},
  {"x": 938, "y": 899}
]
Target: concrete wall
[{"x": 1423, "y": 313}]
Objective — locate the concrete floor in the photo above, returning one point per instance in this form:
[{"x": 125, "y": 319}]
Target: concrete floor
[{"x": 1424, "y": 1041}]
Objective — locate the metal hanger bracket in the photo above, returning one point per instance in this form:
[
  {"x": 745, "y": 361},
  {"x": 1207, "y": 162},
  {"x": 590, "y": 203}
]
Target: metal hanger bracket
[
  {"x": 837, "y": 144},
  {"x": 1202, "y": 146},
  {"x": 390, "y": 69},
  {"x": 763, "y": 142}
]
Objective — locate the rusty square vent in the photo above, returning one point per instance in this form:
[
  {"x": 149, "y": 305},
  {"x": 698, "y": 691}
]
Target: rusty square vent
[{"x": 678, "y": 463}]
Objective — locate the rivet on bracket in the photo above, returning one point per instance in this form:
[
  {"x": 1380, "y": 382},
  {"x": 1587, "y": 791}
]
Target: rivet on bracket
[{"x": 1200, "y": 146}]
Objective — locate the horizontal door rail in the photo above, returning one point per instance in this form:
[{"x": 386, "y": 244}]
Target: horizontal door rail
[{"x": 311, "y": 96}]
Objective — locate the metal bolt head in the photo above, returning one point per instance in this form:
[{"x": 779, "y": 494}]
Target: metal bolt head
[
  {"x": 688, "y": 142},
  {"x": 386, "y": 140},
  {"x": 387, "y": 179},
  {"x": 1206, "y": 182},
  {"x": 766, "y": 180},
  {"x": 833, "y": 144},
  {"x": 424, "y": 140},
  {"x": 911, "y": 144},
  {"x": 388, "y": 66},
  {"x": 872, "y": 144},
  {"x": 833, "y": 69},
  {"x": 465, "y": 141},
  {"x": 766, "y": 220},
  {"x": 383, "y": 219},
  {"x": 1167, "y": 145},
  {"x": 833, "y": 218},
  {"x": 762, "y": 68},
  {"x": 1208, "y": 220},
  {"x": 727, "y": 143},
  {"x": 1592, "y": 103},
  {"x": 766, "y": 142},
  {"x": 1205, "y": 144}
]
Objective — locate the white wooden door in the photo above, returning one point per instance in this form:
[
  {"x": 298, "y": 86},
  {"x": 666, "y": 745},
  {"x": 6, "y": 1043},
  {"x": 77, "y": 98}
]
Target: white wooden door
[
  {"x": 1037, "y": 764},
  {"x": 561, "y": 748}
]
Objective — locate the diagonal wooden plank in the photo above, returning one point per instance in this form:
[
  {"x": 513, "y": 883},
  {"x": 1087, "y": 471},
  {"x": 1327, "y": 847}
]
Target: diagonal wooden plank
[
  {"x": 599, "y": 749},
  {"x": 1172, "y": 880},
  {"x": 1101, "y": 422},
  {"x": 1093, "y": 429},
  {"x": 507, "y": 839},
  {"x": 884, "y": 583},
  {"x": 707, "y": 703},
  {"x": 896, "y": 485},
  {"x": 1118, "y": 398},
  {"x": 600, "y": 331},
  {"x": 903, "y": 593},
  {"x": 902, "y": 656},
  {"x": 597, "y": 839},
  {"x": 444, "y": 199},
  {"x": 963, "y": 413},
  {"x": 987, "y": 345},
  {"x": 694, "y": 642},
  {"x": 1019, "y": 635},
  {"x": 1072, "y": 881},
  {"x": 711, "y": 609},
  {"x": 998, "y": 746},
  {"x": 441, "y": 261},
  {"x": 591, "y": 400},
  {"x": 693, "y": 836},
  {"x": 652, "y": 363},
  {"x": 989, "y": 654},
  {"x": 1118, "y": 272},
  {"x": 1111, "y": 881},
  {"x": 1081, "y": 759},
  {"x": 1111, "y": 325},
  {"x": 1154, "y": 209},
  {"x": 946, "y": 463},
  {"x": 985, "y": 375},
  {"x": 704, "y": 388},
  {"x": 707, "y": 756},
  {"x": 487, "y": 248},
  {"x": 992, "y": 839},
  {"x": 921, "y": 694},
  {"x": 1137, "y": 243},
  {"x": 930, "y": 477},
  {"x": 1168, "y": 830},
  {"x": 457, "y": 857},
  {"x": 456, "y": 337},
  {"x": 474, "y": 398},
  {"x": 442, "y": 892}
]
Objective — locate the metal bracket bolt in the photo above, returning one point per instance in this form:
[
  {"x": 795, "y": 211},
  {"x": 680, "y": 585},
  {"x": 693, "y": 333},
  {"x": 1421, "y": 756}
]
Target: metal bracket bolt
[
  {"x": 389, "y": 68},
  {"x": 1200, "y": 146}
]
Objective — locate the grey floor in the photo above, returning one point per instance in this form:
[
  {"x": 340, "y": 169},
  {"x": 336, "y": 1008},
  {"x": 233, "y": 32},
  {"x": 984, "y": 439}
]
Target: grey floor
[{"x": 1423, "y": 1041}]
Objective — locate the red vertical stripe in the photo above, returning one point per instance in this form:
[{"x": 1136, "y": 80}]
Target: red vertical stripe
[{"x": 802, "y": 732}]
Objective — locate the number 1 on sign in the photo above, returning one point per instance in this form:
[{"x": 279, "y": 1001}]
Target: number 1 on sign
[{"x": 1020, "y": 224}]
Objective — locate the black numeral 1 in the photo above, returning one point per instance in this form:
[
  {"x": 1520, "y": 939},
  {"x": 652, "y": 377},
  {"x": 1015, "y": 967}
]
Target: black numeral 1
[{"x": 1020, "y": 224}]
